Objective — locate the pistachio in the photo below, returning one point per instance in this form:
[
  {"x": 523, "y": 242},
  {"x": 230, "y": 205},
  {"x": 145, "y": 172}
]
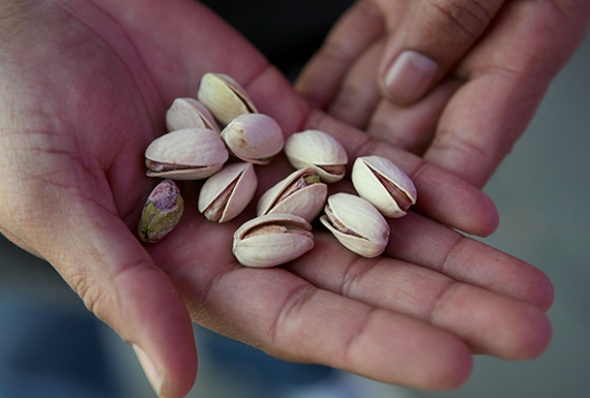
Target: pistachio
[
  {"x": 254, "y": 138},
  {"x": 356, "y": 224},
  {"x": 272, "y": 240},
  {"x": 188, "y": 112},
  {"x": 224, "y": 97},
  {"x": 301, "y": 193},
  {"x": 227, "y": 193},
  {"x": 161, "y": 213},
  {"x": 385, "y": 185},
  {"x": 319, "y": 150},
  {"x": 186, "y": 154}
]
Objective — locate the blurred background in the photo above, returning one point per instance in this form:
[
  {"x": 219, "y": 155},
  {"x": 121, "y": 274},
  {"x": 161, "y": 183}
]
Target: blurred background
[{"x": 50, "y": 346}]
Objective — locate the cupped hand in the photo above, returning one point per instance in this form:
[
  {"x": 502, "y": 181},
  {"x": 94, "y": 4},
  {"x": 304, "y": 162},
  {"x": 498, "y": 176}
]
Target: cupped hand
[
  {"x": 456, "y": 81},
  {"x": 85, "y": 86}
]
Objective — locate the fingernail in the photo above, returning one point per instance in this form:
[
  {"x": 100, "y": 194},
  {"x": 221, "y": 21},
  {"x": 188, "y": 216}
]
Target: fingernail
[
  {"x": 410, "y": 76},
  {"x": 150, "y": 370}
]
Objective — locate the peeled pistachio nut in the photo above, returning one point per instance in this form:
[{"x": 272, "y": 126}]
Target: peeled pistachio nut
[
  {"x": 254, "y": 138},
  {"x": 301, "y": 193},
  {"x": 385, "y": 185},
  {"x": 224, "y": 97},
  {"x": 161, "y": 213},
  {"x": 319, "y": 150},
  {"x": 188, "y": 112},
  {"x": 356, "y": 224},
  {"x": 186, "y": 154},
  {"x": 272, "y": 240},
  {"x": 227, "y": 193}
]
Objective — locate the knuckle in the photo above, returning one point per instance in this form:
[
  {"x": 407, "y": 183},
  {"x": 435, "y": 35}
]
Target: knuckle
[
  {"x": 470, "y": 17},
  {"x": 88, "y": 291}
]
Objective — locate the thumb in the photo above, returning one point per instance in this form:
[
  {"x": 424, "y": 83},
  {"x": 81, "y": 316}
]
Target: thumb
[
  {"x": 427, "y": 41},
  {"x": 99, "y": 257}
]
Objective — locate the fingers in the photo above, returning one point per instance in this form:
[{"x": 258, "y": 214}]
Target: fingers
[
  {"x": 441, "y": 195},
  {"x": 413, "y": 127},
  {"x": 388, "y": 319},
  {"x": 506, "y": 81},
  {"x": 356, "y": 30},
  {"x": 103, "y": 262},
  {"x": 417, "y": 240},
  {"x": 284, "y": 315},
  {"x": 490, "y": 323},
  {"x": 430, "y": 38}
]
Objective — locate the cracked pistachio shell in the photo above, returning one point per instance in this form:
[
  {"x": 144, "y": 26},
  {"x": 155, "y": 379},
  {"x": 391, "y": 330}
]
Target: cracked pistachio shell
[
  {"x": 385, "y": 185},
  {"x": 188, "y": 112},
  {"x": 186, "y": 154},
  {"x": 224, "y": 97},
  {"x": 356, "y": 224},
  {"x": 227, "y": 193},
  {"x": 271, "y": 240},
  {"x": 301, "y": 193},
  {"x": 319, "y": 150},
  {"x": 254, "y": 138},
  {"x": 161, "y": 213}
]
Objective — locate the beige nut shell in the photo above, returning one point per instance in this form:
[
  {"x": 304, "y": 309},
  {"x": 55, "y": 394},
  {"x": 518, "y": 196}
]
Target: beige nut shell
[
  {"x": 231, "y": 189},
  {"x": 356, "y": 224},
  {"x": 306, "y": 202},
  {"x": 188, "y": 112},
  {"x": 225, "y": 98},
  {"x": 319, "y": 150},
  {"x": 186, "y": 154},
  {"x": 385, "y": 185},
  {"x": 284, "y": 237}
]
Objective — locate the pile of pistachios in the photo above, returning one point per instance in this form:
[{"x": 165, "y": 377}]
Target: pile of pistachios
[{"x": 220, "y": 135}]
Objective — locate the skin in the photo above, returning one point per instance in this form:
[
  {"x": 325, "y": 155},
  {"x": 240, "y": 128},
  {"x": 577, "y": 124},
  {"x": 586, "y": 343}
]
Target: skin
[
  {"x": 85, "y": 86},
  {"x": 495, "y": 61}
]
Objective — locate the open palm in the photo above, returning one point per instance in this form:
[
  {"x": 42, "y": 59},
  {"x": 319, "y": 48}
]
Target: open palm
[{"x": 84, "y": 87}]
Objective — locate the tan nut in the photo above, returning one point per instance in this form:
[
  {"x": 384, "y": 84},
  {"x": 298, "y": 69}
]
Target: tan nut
[
  {"x": 272, "y": 240},
  {"x": 319, "y": 150},
  {"x": 186, "y": 154},
  {"x": 301, "y": 193},
  {"x": 227, "y": 193},
  {"x": 356, "y": 224},
  {"x": 385, "y": 185}
]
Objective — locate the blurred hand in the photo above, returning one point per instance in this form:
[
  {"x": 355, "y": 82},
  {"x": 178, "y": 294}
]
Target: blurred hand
[
  {"x": 456, "y": 82},
  {"x": 84, "y": 88}
]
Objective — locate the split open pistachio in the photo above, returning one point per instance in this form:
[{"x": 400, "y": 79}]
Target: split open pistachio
[
  {"x": 227, "y": 193},
  {"x": 301, "y": 193},
  {"x": 272, "y": 240},
  {"x": 385, "y": 185},
  {"x": 186, "y": 154},
  {"x": 319, "y": 150},
  {"x": 254, "y": 138},
  {"x": 224, "y": 97},
  {"x": 222, "y": 123},
  {"x": 188, "y": 112},
  {"x": 356, "y": 224},
  {"x": 161, "y": 213}
]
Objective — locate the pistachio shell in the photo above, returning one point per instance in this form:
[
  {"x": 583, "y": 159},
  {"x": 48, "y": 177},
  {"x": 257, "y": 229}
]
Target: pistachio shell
[
  {"x": 224, "y": 97},
  {"x": 186, "y": 154},
  {"x": 227, "y": 193},
  {"x": 188, "y": 112},
  {"x": 254, "y": 138},
  {"x": 272, "y": 240},
  {"x": 161, "y": 213},
  {"x": 385, "y": 185},
  {"x": 319, "y": 150},
  {"x": 356, "y": 224},
  {"x": 301, "y": 193}
]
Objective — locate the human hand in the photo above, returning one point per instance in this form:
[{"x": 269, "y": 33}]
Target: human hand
[
  {"x": 469, "y": 76},
  {"x": 85, "y": 86}
]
